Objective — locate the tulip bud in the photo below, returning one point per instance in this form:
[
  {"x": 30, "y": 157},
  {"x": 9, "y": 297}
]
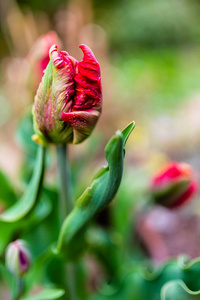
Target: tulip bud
[
  {"x": 68, "y": 101},
  {"x": 174, "y": 185},
  {"x": 18, "y": 258}
]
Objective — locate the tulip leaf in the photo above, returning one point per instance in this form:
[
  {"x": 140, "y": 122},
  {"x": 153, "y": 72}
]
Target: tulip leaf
[
  {"x": 177, "y": 290},
  {"x": 47, "y": 294},
  {"x": 101, "y": 243},
  {"x": 7, "y": 194},
  {"x": 24, "y": 133},
  {"x": 176, "y": 280},
  {"x": 30, "y": 198},
  {"x": 100, "y": 193}
]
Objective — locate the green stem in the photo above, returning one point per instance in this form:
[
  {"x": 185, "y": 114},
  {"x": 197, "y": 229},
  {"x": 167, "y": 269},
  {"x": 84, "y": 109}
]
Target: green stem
[
  {"x": 70, "y": 272},
  {"x": 20, "y": 288},
  {"x": 66, "y": 202},
  {"x": 66, "y": 205}
]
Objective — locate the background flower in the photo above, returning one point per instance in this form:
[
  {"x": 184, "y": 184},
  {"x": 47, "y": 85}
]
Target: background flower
[{"x": 174, "y": 185}]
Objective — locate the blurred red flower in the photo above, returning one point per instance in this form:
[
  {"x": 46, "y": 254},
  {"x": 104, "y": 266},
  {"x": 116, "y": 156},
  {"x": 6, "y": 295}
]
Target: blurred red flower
[
  {"x": 174, "y": 185},
  {"x": 38, "y": 56}
]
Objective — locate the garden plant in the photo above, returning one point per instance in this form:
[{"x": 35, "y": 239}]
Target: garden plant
[{"x": 47, "y": 237}]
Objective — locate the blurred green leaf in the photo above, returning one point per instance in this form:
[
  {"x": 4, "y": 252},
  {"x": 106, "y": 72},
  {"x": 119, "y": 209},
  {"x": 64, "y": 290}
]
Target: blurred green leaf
[
  {"x": 23, "y": 206},
  {"x": 24, "y": 135},
  {"x": 138, "y": 283},
  {"x": 25, "y": 226},
  {"x": 99, "y": 194},
  {"x": 7, "y": 231},
  {"x": 8, "y": 280},
  {"x": 7, "y": 194},
  {"x": 48, "y": 294},
  {"x": 101, "y": 243},
  {"x": 177, "y": 290}
]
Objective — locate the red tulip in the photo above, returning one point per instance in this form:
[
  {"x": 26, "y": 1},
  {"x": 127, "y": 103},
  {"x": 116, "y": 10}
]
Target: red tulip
[
  {"x": 68, "y": 101},
  {"x": 174, "y": 185}
]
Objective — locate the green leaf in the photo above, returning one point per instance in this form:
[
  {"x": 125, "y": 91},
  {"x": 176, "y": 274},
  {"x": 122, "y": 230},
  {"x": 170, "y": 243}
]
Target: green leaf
[
  {"x": 138, "y": 283},
  {"x": 177, "y": 290},
  {"x": 27, "y": 224},
  {"x": 23, "y": 206},
  {"x": 6, "y": 277},
  {"x": 7, "y": 231},
  {"x": 127, "y": 131},
  {"x": 7, "y": 194},
  {"x": 24, "y": 133},
  {"x": 100, "y": 193},
  {"x": 48, "y": 294},
  {"x": 101, "y": 243}
]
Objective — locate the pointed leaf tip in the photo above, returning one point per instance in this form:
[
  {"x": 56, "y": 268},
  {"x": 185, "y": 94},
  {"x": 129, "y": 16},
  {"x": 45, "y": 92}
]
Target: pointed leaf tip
[{"x": 127, "y": 131}]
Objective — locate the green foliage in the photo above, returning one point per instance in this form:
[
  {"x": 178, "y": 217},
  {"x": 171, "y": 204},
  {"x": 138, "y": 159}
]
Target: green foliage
[
  {"x": 15, "y": 218},
  {"x": 47, "y": 294},
  {"x": 101, "y": 244},
  {"x": 150, "y": 23},
  {"x": 177, "y": 290},
  {"x": 99, "y": 194},
  {"x": 24, "y": 135},
  {"x": 154, "y": 82},
  {"x": 24, "y": 206},
  {"x": 175, "y": 280},
  {"x": 25, "y": 226},
  {"x": 7, "y": 193}
]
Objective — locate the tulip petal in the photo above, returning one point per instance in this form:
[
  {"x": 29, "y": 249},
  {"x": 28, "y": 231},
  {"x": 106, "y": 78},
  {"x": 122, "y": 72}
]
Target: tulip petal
[
  {"x": 86, "y": 108},
  {"x": 82, "y": 123},
  {"x": 88, "y": 82},
  {"x": 55, "y": 95}
]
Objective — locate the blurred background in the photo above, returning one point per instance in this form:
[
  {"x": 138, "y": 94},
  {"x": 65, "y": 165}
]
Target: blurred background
[{"x": 149, "y": 53}]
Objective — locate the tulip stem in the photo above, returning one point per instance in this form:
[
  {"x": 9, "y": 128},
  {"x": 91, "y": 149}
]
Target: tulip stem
[
  {"x": 20, "y": 288},
  {"x": 66, "y": 202},
  {"x": 65, "y": 206},
  {"x": 70, "y": 271}
]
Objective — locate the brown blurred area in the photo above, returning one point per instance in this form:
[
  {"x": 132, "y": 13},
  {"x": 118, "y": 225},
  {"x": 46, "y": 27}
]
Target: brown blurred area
[{"x": 166, "y": 234}]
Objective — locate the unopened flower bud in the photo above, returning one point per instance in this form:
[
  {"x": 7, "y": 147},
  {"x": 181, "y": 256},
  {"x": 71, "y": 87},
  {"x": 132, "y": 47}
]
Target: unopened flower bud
[
  {"x": 68, "y": 101},
  {"x": 174, "y": 185},
  {"x": 18, "y": 258}
]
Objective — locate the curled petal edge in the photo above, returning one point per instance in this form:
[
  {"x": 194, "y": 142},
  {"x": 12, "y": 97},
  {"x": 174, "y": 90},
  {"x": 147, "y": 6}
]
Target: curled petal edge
[{"x": 82, "y": 123}]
